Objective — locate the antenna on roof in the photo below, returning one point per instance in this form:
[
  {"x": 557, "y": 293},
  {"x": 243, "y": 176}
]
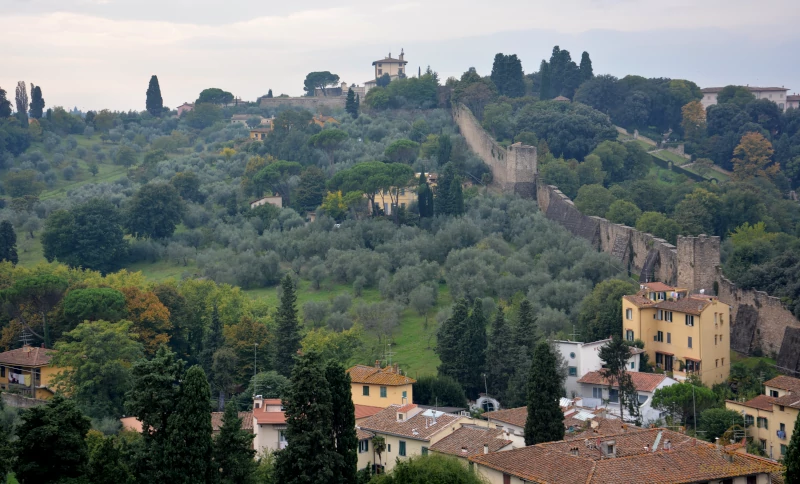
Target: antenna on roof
[{"x": 574, "y": 334}]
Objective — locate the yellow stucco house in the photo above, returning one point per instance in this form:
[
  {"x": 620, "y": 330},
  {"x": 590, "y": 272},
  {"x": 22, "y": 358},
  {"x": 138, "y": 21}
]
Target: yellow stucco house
[
  {"x": 391, "y": 66},
  {"x": 683, "y": 333},
  {"x": 770, "y": 417},
  {"x": 28, "y": 371},
  {"x": 380, "y": 387}
]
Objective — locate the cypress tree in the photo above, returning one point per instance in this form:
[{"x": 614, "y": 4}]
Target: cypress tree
[
  {"x": 233, "y": 449},
  {"x": 456, "y": 197},
  {"x": 350, "y": 104},
  {"x": 545, "y": 81},
  {"x": 269, "y": 94},
  {"x": 5, "y": 104},
  {"x": 37, "y": 102},
  {"x": 499, "y": 75},
  {"x": 358, "y": 102},
  {"x": 586, "y": 67},
  {"x": 424, "y": 197},
  {"x": 792, "y": 458},
  {"x": 343, "y": 423},
  {"x": 545, "y": 421},
  {"x": 8, "y": 243},
  {"x": 499, "y": 361},
  {"x": 188, "y": 451},
  {"x": 525, "y": 333},
  {"x": 473, "y": 351},
  {"x": 154, "y": 103},
  {"x": 212, "y": 341},
  {"x": 310, "y": 455},
  {"x": 448, "y": 341},
  {"x": 287, "y": 335},
  {"x": 445, "y": 149}
]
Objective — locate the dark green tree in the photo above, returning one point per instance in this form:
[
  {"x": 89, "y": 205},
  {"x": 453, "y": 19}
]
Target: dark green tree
[
  {"x": 107, "y": 463},
  {"x": 448, "y": 341},
  {"x": 34, "y": 294},
  {"x": 424, "y": 197},
  {"x": 269, "y": 94},
  {"x": 429, "y": 469},
  {"x": 443, "y": 391},
  {"x": 188, "y": 185},
  {"x": 37, "y": 102},
  {"x": 214, "y": 95},
  {"x": 525, "y": 332},
  {"x": 233, "y": 449},
  {"x": 189, "y": 449},
  {"x": 473, "y": 351},
  {"x": 310, "y": 455},
  {"x": 507, "y": 75},
  {"x": 310, "y": 190},
  {"x": 358, "y": 103},
  {"x": 343, "y": 423},
  {"x": 51, "y": 445},
  {"x": 328, "y": 140},
  {"x": 154, "y": 211},
  {"x": 601, "y": 312},
  {"x": 5, "y": 104},
  {"x": 499, "y": 361},
  {"x": 6, "y": 447},
  {"x": 545, "y": 83},
  {"x": 445, "y": 149},
  {"x": 615, "y": 355},
  {"x": 792, "y": 458},
  {"x": 287, "y": 332},
  {"x": 448, "y": 199},
  {"x": 350, "y": 104},
  {"x": 213, "y": 340},
  {"x": 586, "y": 67},
  {"x": 8, "y": 243},
  {"x": 714, "y": 422},
  {"x": 319, "y": 80},
  {"x": 545, "y": 421},
  {"x": 154, "y": 103},
  {"x": 94, "y": 304}
]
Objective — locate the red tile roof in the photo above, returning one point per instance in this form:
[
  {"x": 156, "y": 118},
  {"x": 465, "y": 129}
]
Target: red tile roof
[
  {"x": 658, "y": 287},
  {"x": 216, "y": 420},
  {"x": 688, "y": 305},
  {"x": 789, "y": 400},
  {"x": 751, "y": 88},
  {"x": 262, "y": 416},
  {"x": 418, "y": 427},
  {"x": 378, "y": 376},
  {"x": 639, "y": 301},
  {"x": 405, "y": 408},
  {"x": 784, "y": 382},
  {"x": 761, "y": 402},
  {"x": 364, "y": 411},
  {"x": 469, "y": 440},
  {"x": 27, "y": 356},
  {"x": 514, "y": 416},
  {"x": 644, "y": 382},
  {"x": 363, "y": 434}
]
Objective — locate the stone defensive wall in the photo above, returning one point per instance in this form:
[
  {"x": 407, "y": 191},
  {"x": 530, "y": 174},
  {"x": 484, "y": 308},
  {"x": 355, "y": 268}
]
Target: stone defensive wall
[
  {"x": 759, "y": 322},
  {"x": 513, "y": 169},
  {"x": 304, "y": 102}
]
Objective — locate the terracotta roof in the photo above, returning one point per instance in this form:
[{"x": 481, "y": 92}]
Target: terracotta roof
[
  {"x": 561, "y": 98},
  {"x": 390, "y": 60},
  {"x": 514, "y": 416},
  {"x": 639, "y": 301},
  {"x": 790, "y": 400},
  {"x": 752, "y": 88},
  {"x": 405, "y": 408},
  {"x": 385, "y": 422},
  {"x": 596, "y": 427},
  {"x": 378, "y": 376},
  {"x": 469, "y": 440},
  {"x": 658, "y": 287},
  {"x": 216, "y": 420},
  {"x": 643, "y": 382},
  {"x": 262, "y": 416},
  {"x": 363, "y": 434},
  {"x": 131, "y": 423},
  {"x": 793, "y": 97},
  {"x": 364, "y": 411},
  {"x": 687, "y": 461},
  {"x": 688, "y": 305},
  {"x": 761, "y": 402},
  {"x": 27, "y": 356},
  {"x": 782, "y": 381}
]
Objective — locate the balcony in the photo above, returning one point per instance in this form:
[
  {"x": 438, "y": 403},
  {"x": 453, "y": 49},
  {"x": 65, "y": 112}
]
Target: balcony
[{"x": 781, "y": 434}]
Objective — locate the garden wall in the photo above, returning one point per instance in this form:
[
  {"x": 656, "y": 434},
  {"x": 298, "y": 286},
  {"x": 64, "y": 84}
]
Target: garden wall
[{"x": 303, "y": 102}]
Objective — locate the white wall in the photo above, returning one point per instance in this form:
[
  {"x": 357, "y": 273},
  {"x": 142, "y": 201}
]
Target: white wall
[{"x": 587, "y": 359}]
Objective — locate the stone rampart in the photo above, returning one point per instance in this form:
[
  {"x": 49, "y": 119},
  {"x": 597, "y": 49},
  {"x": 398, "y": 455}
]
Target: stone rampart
[
  {"x": 513, "y": 169},
  {"x": 303, "y": 102},
  {"x": 16, "y": 400}
]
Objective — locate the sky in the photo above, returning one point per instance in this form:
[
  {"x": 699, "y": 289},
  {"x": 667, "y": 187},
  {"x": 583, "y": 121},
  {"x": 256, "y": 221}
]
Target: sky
[{"x": 97, "y": 54}]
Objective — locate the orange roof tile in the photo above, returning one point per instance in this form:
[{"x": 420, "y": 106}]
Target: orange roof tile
[
  {"x": 644, "y": 382},
  {"x": 784, "y": 382},
  {"x": 405, "y": 408},
  {"x": 514, "y": 416},
  {"x": 688, "y": 305},
  {"x": 418, "y": 427},
  {"x": 761, "y": 402},
  {"x": 262, "y": 416},
  {"x": 363, "y": 434},
  {"x": 27, "y": 356},
  {"x": 364, "y": 411},
  {"x": 639, "y": 301},
  {"x": 378, "y": 376},
  {"x": 469, "y": 440},
  {"x": 216, "y": 420},
  {"x": 658, "y": 287},
  {"x": 789, "y": 400}
]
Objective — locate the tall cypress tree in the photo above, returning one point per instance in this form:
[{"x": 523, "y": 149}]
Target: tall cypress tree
[
  {"x": 188, "y": 452},
  {"x": 445, "y": 149},
  {"x": 545, "y": 81},
  {"x": 8, "y": 243},
  {"x": 233, "y": 449},
  {"x": 456, "y": 197},
  {"x": 358, "y": 102},
  {"x": 499, "y": 361},
  {"x": 350, "y": 104},
  {"x": 213, "y": 339},
  {"x": 792, "y": 458},
  {"x": 5, "y": 104},
  {"x": 448, "y": 341},
  {"x": 545, "y": 421},
  {"x": 424, "y": 197},
  {"x": 310, "y": 455},
  {"x": 154, "y": 103},
  {"x": 586, "y": 67},
  {"x": 525, "y": 332},
  {"x": 37, "y": 102},
  {"x": 287, "y": 335},
  {"x": 343, "y": 423},
  {"x": 473, "y": 351}
]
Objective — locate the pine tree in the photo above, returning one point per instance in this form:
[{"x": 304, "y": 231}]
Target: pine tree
[
  {"x": 37, "y": 102},
  {"x": 792, "y": 458},
  {"x": 343, "y": 423},
  {"x": 545, "y": 82},
  {"x": 545, "y": 421},
  {"x": 586, "y": 67},
  {"x": 189, "y": 449},
  {"x": 8, "y": 242},
  {"x": 448, "y": 341},
  {"x": 507, "y": 75},
  {"x": 424, "y": 197},
  {"x": 473, "y": 351},
  {"x": 287, "y": 334},
  {"x": 233, "y": 449},
  {"x": 350, "y": 104},
  {"x": 499, "y": 361},
  {"x": 154, "y": 103},
  {"x": 310, "y": 455}
]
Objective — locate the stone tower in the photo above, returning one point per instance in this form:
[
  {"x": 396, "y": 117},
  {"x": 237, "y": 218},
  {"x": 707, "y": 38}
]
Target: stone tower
[
  {"x": 698, "y": 258},
  {"x": 521, "y": 169}
]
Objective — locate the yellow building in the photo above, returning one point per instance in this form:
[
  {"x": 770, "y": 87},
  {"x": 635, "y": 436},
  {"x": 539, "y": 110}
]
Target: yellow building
[
  {"x": 404, "y": 196},
  {"x": 380, "y": 387},
  {"x": 27, "y": 371},
  {"x": 683, "y": 333},
  {"x": 391, "y": 66},
  {"x": 770, "y": 417},
  {"x": 260, "y": 134}
]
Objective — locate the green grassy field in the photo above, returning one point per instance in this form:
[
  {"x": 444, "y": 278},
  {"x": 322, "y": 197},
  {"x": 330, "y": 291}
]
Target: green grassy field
[{"x": 669, "y": 156}]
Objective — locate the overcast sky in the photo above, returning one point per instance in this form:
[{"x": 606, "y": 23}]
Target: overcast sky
[{"x": 97, "y": 54}]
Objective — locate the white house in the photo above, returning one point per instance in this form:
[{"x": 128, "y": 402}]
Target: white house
[
  {"x": 595, "y": 392},
  {"x": 583, "y": 358},
  {"x": 269, "y": 423},
  {"x": 774, "y": 94}
]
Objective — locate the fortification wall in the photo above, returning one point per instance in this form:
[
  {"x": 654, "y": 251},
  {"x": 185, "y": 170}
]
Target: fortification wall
[
  {"x": 303, "y": 102},
  {"x": 513, "y": 169}
]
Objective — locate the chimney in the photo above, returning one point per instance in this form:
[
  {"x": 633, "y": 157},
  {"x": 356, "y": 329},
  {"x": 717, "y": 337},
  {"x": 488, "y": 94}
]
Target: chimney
[
  {"x": 716, "y": 441},
  {"x": 402, "y": 54},
  {"x": 258, "y": 401},
  {"x": 485, "y": 448},
  {"x": 463, "y": 450},
  {"x": 377, "y": 364},
  {"x": 396, "y": 368}
]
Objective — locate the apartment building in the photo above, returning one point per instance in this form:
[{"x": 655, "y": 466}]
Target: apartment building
[
  {"x": 774, "y": 94},
  {"x": 380, "y": 387}
]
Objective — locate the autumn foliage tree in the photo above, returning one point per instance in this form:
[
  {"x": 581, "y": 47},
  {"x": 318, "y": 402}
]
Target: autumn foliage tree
[
  {"x": 693, "y": 120},
  {"x": 753, "y": 158},
  {"x": 150, "y": 318}
]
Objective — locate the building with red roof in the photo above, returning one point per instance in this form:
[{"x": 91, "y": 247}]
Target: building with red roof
[{"x": 380, "y": 387}]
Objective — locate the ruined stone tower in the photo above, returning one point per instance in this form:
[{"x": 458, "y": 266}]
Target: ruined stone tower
[{"x": 698, "y": 258}]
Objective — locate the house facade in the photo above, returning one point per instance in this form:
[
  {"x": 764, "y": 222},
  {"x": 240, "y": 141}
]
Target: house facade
[
  {"x": 774, "y": 94},
  {"x": 793, "y": 101},
  {"x": 184, "y": 108},
  {"x": 596, "y": 392},
  {"x": 275, "y": 200},
  {"x": 269, "y": 424},
  {"x": 770, "y": 418},
  {"x": 28, "y": 371},
  {"x": 585, "y": 357},
  {"x": 391, "y": 66},
  {"x": 683, "y": 333},
  {"x": 380, "y": 387}
]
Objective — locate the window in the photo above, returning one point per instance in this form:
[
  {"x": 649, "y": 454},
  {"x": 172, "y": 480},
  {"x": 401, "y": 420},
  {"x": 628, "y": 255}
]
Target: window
[
  {"x": 762, "y": 423},
  {"x": 715, "y": 339},
  {"x": 405, "y": 394},
  {"x": 690, "y": 320},
  {"x": 597, "y": 393},
  {"x": 720, "y": 338},
  {"x": 752, "y": 479},
  {"x": 613, "y": 396},
  {"x": 388, "y": 447},
  {"x": 783, "y": 427},
  {"x": 642, "y": 399},
  {"x": 2, "y": 371},
  {"x": 773, "y": 393},
  {"x": 424, "y": 451},
  {"x": 629, "y": 335},
  {"x": 402, "y": 191},
  {"x": 763, "y": 444},
  {"x": 365, "y": 390},
  {"x": 573, "y": 371},
  {"x": 716, "y": 363},
  {"x": 380, "y": 72},
  {"x": 363, "y": 446},
  {"x": 748, "y": 420},
  {"x": 629, "y": 314},
  {"x": 383, "y": 392},
  {"x": 659, "y": 315},
  {"x": 783, "y": 449},
  {"x": 723, "y": 361},
  {"x": 633, "y": 365},
  {"x": 506, "y": 479},
  {"x": 668, "y": 316},
  {"x": 669, "y": 338},
  {"x": 659, "y": 337},
  {"x": 402, "y": 448},
  {"x": 690, "y": 341},
  {"x": 659, "y": 359}
]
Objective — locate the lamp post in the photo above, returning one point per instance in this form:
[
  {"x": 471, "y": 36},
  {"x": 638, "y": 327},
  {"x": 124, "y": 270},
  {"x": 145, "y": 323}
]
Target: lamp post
[{"x": 255, "y": 363}]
